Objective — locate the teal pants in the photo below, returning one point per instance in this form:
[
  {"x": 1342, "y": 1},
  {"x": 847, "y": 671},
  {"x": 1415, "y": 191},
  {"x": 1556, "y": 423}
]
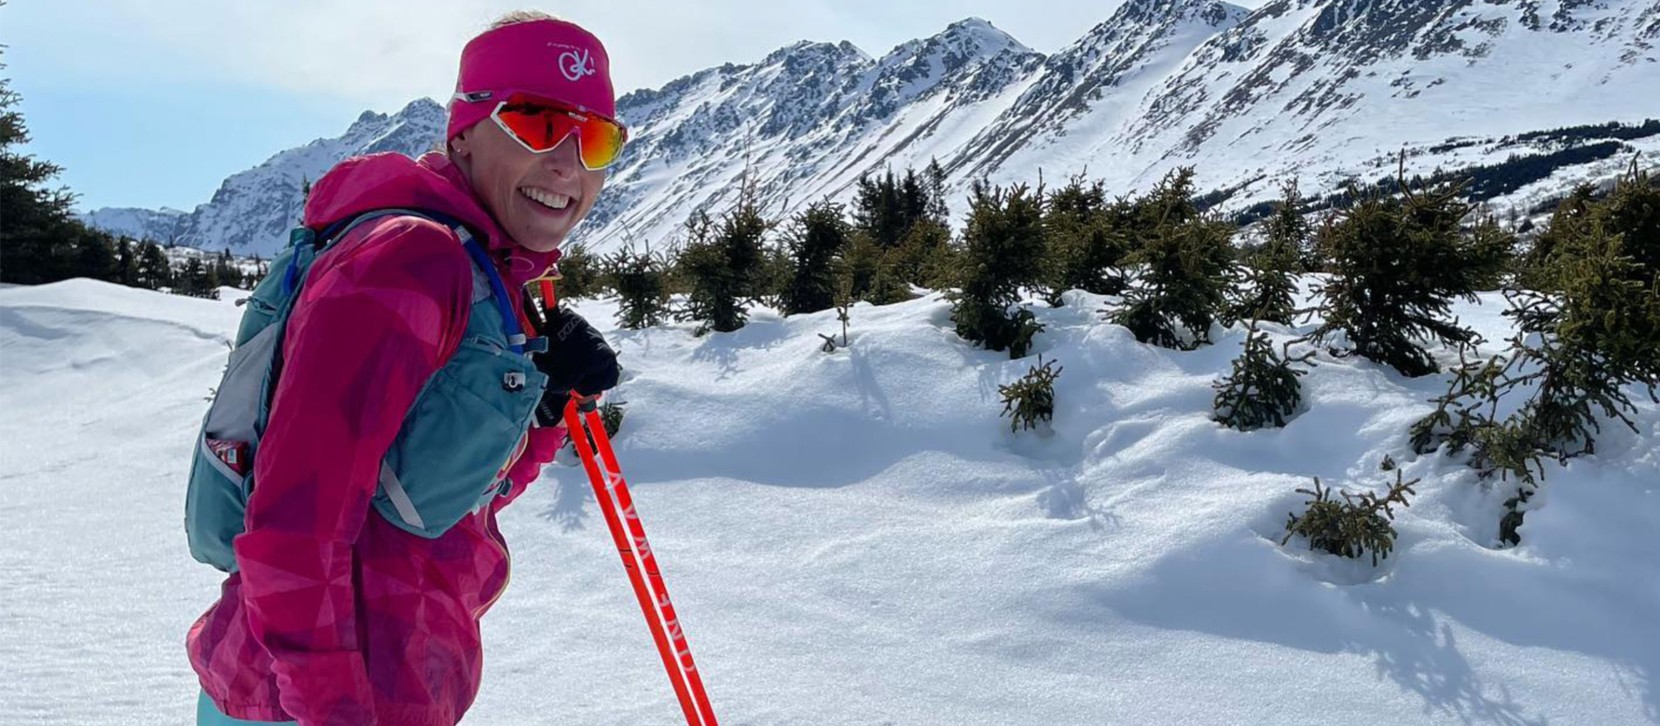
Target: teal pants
[{"x": 208, "y": 715}]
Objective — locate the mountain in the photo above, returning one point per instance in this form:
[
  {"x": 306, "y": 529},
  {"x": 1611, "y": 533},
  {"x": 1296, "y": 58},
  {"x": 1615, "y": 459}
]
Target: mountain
[
  {"x": 162, "y": 226},
  {"x": 1317, "y": 91},
  {"x": 1096, "y": 82},
  {"x": 253, "y": 210}
]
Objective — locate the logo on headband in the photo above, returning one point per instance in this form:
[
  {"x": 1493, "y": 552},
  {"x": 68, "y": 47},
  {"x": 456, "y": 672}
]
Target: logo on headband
[{"x": 576, "y": 64}]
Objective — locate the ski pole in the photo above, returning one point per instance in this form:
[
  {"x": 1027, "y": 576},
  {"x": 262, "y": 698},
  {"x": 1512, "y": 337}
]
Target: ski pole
[{"x": 611, "y": 492}]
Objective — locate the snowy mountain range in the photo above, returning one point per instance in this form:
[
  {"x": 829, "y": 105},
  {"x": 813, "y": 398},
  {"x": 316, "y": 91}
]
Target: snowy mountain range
[{"x": 1318, "y": 91}]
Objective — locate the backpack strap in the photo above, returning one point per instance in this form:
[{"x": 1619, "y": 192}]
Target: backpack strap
[{"x": 481, "y": 261}]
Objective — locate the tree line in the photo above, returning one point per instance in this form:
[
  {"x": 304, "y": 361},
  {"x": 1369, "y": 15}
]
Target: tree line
[{"x": 41, "y": 240}]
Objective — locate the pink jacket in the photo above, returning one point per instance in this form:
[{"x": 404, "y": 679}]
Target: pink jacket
[{"x": 336, "y": 616}]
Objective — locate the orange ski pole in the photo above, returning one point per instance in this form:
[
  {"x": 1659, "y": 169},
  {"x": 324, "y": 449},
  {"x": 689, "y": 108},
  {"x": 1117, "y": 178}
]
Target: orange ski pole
[{"x": 611, "y": 492}]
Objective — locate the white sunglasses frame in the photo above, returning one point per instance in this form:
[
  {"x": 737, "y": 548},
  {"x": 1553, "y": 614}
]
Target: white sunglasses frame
[{"x": 495, "y": 115}]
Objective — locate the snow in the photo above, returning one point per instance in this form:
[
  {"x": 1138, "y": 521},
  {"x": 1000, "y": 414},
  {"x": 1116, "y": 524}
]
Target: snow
[{"x": 857, "y": 538}]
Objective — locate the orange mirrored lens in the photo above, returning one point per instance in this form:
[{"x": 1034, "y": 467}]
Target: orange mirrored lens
[{"x": 542, "y": 128}]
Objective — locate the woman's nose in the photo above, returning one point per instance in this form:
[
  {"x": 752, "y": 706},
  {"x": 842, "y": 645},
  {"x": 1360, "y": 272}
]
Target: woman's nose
[{"x": 564, "y": 159}]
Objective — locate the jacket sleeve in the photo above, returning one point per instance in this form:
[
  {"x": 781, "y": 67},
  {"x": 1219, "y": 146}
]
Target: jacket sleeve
[{"x": 378, "y": 316}]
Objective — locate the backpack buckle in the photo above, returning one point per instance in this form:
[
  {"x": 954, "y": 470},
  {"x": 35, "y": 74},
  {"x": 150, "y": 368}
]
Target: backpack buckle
[{"x": 513, "y": 382}]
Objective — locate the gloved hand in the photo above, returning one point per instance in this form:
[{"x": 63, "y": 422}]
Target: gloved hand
[{"x": 578, "y": 359}]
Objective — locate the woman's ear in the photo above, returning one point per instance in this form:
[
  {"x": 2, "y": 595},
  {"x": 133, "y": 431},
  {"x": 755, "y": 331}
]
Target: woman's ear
[{"x": 461, "y": 145}]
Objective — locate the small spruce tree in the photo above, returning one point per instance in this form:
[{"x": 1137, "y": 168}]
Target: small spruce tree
[
  {"x": 1396, "y": 264},
  {"x": 1031, "y": 399},
  {"x": 724, "y": 268},
  {"x": 639, "y": 278},
  {"x": 1289, "y": 232},
  {"x": 580, "y": 273},
  {"x": 154, "y": 270},
  {"x": 1270, "y": 282},
  {"x": 1169, "y": 204},
  {"x": 923, "y": 257},
  {"x": 869, "y": 271},
  {"x": 815, "y": 238},
  {"x": 1185, "y": 278},
  {"x": 1263, "y": 389},
  {"x": 1002, "y": 253},
  {"x": 1572, "y": 213},
  {"x": 1356, "y": 525},
  {"x": 1579, "y": 350},
  {"x": 1085, "y": 246}
]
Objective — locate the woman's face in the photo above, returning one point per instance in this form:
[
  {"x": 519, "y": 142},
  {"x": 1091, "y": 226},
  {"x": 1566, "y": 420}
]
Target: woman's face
[{"x": 536, "y": 198}]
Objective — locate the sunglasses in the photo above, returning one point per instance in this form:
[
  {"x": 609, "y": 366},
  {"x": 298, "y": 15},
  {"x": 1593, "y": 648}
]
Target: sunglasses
[{"x": 541, "y": 126}]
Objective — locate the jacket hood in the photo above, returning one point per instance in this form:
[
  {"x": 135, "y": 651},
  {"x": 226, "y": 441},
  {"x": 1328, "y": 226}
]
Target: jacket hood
[{"x": 433, "y": 182}]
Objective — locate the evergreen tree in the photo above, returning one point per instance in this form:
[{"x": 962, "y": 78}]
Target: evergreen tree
[
  {"x": 878, "y": 210},
  {"x": 211, "y": 280},
  {"x": 579, "y": 273},
  {"x": 725, "y": 269},
  {"x": 192, "y": 279},
  {"x": 1170, "y": 203},
  {"x": 1003, "y": 245},
  {"x": 226, "y": 271},
  {"x": 868, "y": 272},
  {"x": 887, "y": 207},
  {"x": 1263, "y": 389},
  {"x": 1572, "y": 214},
  {"x": 1288, "y": 232},
  {"x": 640, "y": 280},
  {"x": 154, "y": 270},
  {"x": 774, "y": 276},
  {"x": 1085, "y": 246},
  {"x": 1581, "y": 346},
  {"x": 252, "y": 279},
  {"x": 1494, "y": 249},
  {"x": 934, "y": 182},
  {"x": 1633, "y": 212},
  {"x": 1357, "y": 525},
  {"x": 1031, "y": 400},
  {"x": 1397, "y": 263},
  {"x": 94, "y": 254},
  {"x": 913, "y": 202},
  {"x": 923, "y": 258},
  {"x": 126, "y": 263},
  {"x": 815, "y": 239},
  {"x": 1184, "y": 266},
  {"x": 37, "y": 233},
  {"x": 1270, "y": 270}
]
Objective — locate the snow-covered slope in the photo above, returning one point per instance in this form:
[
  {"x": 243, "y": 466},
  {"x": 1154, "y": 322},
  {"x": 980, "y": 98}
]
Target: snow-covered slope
[
  {"x": 1314, "y": 90},
  {"x": 857, "y": 538}
]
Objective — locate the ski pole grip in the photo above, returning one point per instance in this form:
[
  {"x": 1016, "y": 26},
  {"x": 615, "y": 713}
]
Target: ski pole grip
[{"x": 585, "y": 404}]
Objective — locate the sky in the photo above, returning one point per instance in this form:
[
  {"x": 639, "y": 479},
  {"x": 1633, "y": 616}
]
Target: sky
[{"x": 152, "y": 103}]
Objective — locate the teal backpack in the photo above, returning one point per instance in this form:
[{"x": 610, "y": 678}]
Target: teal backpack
[{"x": 447, "y": 460}]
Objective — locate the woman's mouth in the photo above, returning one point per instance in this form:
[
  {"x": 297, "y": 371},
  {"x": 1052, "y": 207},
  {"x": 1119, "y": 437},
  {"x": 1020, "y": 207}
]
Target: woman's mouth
[{"x": 552, "y": 202}]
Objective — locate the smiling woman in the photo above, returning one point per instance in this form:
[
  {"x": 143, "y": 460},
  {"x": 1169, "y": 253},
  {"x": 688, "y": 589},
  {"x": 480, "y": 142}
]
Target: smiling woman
[
  {"x": 525, "y": 164},
  {"x": 412, "y": 405}
]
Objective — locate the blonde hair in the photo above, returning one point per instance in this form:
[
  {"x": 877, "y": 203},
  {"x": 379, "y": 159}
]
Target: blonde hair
[{"x": 515, "y": 17}]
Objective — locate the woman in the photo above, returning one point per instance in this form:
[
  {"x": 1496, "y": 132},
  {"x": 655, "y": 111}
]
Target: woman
[{"x": 337, "y": 616}]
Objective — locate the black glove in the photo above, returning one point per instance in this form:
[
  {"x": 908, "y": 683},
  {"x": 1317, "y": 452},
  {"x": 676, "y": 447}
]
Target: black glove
[{"x": 578, "y": 359}]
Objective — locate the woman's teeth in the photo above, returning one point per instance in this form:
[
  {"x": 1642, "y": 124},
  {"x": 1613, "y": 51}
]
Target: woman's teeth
[{"x": 547, "y": 199}]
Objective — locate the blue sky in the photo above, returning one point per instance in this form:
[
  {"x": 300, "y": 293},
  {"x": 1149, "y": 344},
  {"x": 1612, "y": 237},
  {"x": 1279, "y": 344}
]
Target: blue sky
[{"x": 151, "y": 103}]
